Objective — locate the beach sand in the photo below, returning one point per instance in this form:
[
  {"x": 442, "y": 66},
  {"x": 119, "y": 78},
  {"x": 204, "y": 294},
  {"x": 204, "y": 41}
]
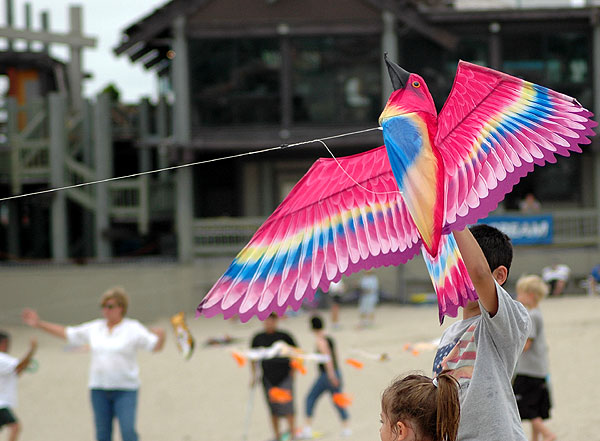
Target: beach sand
[{"x": 206, "y": 398}]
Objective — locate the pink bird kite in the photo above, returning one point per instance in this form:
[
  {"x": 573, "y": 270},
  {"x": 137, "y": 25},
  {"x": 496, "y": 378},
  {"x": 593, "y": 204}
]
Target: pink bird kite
[{"x": 435, "y": 174}]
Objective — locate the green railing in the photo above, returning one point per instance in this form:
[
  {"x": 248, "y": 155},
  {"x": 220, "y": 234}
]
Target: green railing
[
  {"x": 224, "y": 235},
  {"x": 129, "y": 201},
  {"x": 227, "y": 235}
]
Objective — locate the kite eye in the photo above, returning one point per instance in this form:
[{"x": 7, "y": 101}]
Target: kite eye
[{"x": 416, "y": 84}]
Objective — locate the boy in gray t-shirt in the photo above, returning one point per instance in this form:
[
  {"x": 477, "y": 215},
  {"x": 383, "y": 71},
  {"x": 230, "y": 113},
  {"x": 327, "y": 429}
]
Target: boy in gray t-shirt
[{"x": 482, "y": 349}]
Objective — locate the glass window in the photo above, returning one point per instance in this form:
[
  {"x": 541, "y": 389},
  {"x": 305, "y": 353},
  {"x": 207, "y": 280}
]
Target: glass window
[
  {"x": 220, "y": 192},
  {"x": 235, "y": 81},
  {"x": 336, "y": 79},
  {"x": 558, "y": 61},
  {"x": 436, "y": 65}
]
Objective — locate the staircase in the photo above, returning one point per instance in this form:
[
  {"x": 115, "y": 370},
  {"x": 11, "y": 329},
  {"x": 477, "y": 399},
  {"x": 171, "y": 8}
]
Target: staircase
[{"x": 26, "y": 137}]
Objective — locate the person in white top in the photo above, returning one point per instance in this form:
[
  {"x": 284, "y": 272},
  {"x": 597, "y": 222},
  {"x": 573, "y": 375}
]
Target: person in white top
[
  {"x": 369, "y": 296},
  {"x": 10, "y": 369},
  {"x": 114, "y": 372},
  {"x": 557, "y": 276}
]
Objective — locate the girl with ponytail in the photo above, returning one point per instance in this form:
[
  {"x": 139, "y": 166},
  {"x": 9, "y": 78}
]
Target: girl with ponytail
[{"x": 418, "y": 408}]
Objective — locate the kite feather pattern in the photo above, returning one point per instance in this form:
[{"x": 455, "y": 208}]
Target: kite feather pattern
[{"x": 434, "y": 175}]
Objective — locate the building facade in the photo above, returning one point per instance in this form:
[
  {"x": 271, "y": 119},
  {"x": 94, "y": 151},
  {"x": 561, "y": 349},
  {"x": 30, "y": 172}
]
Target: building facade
[{"x": 240, "y": 76}]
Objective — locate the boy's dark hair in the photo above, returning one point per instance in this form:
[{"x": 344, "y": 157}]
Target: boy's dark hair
[
  {"x": 496, "y": 246},
  {"x": 316, "y": 322},
  {"x": 4, "y": 336}
]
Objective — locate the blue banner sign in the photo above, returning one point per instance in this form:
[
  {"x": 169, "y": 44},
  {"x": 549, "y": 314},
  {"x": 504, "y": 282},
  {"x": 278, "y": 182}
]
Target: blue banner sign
[{"x": 524, "y": 230}]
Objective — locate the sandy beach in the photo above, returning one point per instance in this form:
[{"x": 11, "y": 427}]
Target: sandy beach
[{"x": 205, "y": 398}]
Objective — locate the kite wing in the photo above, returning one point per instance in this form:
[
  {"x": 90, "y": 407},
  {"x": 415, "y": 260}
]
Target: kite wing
[
  {"x": 493, "y": 129},
  {"x": 329, "y": 225}
]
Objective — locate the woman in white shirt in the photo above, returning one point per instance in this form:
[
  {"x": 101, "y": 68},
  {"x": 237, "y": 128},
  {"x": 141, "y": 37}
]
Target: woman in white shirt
[{"x": 114, "y": 373}]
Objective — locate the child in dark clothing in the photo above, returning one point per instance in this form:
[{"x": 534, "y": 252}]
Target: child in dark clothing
[{"x": 530, "y": 386}]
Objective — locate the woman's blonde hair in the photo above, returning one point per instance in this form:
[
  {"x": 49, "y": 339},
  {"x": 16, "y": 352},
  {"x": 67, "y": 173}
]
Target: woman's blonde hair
[
  {"x": 117, "y": 294},
  {"x": 533, "y": 284}
]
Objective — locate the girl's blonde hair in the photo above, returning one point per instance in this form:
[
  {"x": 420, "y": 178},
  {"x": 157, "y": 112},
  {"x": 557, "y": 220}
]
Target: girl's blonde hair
[
  {"x": 533, "y": 284},
  {"x": 430, "y": 407},
  {"x": 117, "y": 294}
]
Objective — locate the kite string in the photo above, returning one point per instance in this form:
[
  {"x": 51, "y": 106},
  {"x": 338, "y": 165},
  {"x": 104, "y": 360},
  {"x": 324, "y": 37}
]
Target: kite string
[
  {"x": 189, "y": 164},
  {"x": 351, "y": 178}
]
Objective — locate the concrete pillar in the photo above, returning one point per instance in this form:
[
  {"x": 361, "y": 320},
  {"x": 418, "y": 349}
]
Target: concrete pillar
[
  {"x": 75, "y": 59},
  {"x": 495, "y": 46},
  {"x": 14, "y": 229},
  {"x": 58, "y": 146},
  {"x": 103, "y": 162},
  {"x": 12, "y": 130},
  {"x": 596, "y": 150},
  {"x": 286, "y": 85},
  {"x": 88, "y": 159},
  {"x": 251, "y": 191},
  {"x": 266, "y": 188},
  {"x": 182, "y": 136},
  {"x": 45, "y": 20},
  {"x": 162, "y": 130},
  {"x": 144, "y": 126},
  {"x": 389, "y": 44},
  {"x": 28, "y": 24},
  {"x": 9, "y": 22},
  {"x": 14, "y": 223}
]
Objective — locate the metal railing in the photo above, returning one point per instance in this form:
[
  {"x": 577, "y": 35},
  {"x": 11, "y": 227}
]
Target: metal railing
[
  {"x": 228, "y": 235},
  {"x": 129, "y": 201},
  {"x": 576, "y": 227},
  {"x": 223, "y": 235},
  {"x": 28, "y": 140}
]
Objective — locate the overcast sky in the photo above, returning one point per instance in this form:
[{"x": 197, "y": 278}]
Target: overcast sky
[{"x": 104, "y": 20}]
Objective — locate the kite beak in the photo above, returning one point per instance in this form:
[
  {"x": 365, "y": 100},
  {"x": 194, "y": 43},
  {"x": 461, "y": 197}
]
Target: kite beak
[{"x": 398, "y": 75}]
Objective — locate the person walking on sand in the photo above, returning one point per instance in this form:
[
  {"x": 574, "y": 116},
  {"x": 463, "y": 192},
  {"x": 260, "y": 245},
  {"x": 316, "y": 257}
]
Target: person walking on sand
[
  {"x": 336, "y": 291},
  {"x": 329, "y": 380},
  {"x": 10, "y": 369},
  {"x": 276, "y": 373},
  {"x": 114, "y": 373},
  {"x": 369, "y": 296},
  {"x": 530, "y": 385}
]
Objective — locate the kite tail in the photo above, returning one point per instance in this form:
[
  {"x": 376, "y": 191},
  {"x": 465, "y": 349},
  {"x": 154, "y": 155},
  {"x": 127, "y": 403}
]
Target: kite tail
[{"x": 450, "y": 278}]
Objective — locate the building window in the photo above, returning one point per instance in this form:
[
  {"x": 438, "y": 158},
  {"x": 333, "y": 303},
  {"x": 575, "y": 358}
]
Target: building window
[
  {"x": 235, "y": 81},
  {"x": 438, "y": 66},
  {"x": 336, "y": 79},
  {"x": 558, "y": 61}
]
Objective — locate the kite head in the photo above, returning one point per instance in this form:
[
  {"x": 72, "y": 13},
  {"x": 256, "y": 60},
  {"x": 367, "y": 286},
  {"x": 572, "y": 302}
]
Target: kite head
[{"x": 410, "y": 95}]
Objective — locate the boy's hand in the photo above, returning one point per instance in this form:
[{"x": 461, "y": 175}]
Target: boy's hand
[
  {"x": 30, "y": 317},
  {"x": 479, "y": 270}
]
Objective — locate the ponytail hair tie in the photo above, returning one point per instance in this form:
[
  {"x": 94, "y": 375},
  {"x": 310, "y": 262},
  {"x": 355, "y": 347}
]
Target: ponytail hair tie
[{"x": 435, "y": 382}]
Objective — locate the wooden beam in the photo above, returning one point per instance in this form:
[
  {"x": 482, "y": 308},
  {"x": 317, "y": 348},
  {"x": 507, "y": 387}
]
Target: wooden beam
[
  {"x": 416, "y": 21},
  {"x": 151, "y": 26},
  {"x": 160, "y": 55},
  {"x": 308, "y": 29},
  {"x": 47, "y": 37}
]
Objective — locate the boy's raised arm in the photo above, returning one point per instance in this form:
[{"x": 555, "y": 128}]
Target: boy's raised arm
[{"x": 478, "y": 269}]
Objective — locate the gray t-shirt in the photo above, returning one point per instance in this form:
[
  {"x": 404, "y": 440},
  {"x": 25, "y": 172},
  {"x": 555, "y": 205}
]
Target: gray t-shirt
[
  {"x": 482, "y": 352},
  {"x": 534, "y": 361}
]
